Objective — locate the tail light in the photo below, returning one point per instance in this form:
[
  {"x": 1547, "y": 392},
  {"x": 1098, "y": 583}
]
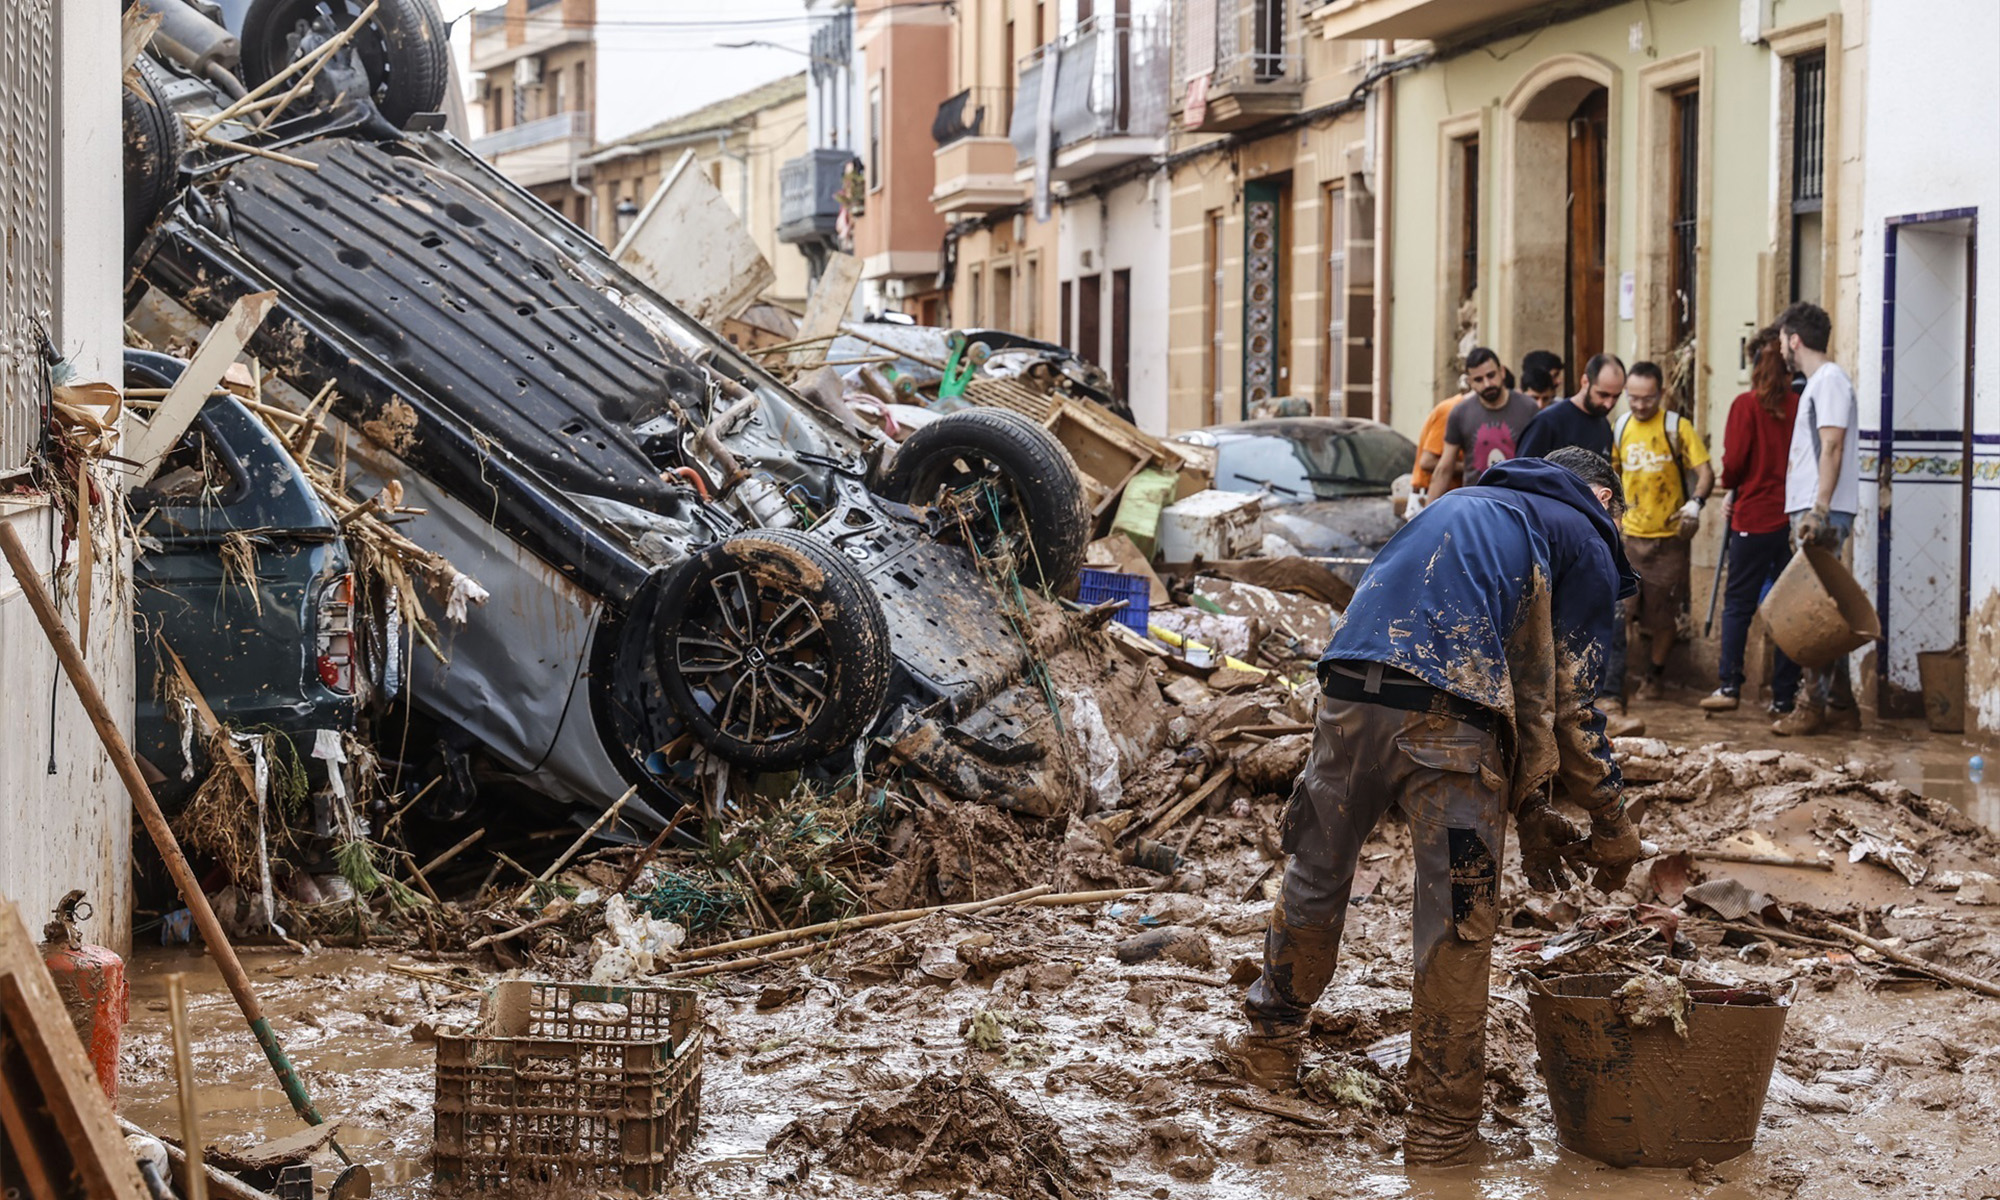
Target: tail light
[{"x": 336, "y": 635}]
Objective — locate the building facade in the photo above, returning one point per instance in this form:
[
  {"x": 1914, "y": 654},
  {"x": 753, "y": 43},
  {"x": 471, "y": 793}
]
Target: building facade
[
  {"x": 533, "y": 90},
  {"x": 1927, "y": 362},
  {"x": 741, "y": 144},
  {"x": 65, "y": 820}
]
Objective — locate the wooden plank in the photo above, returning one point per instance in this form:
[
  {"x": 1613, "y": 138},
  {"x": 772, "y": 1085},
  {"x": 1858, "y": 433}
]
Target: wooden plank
[
  {"x": 41, "y": 1027},
  {"x": 204, "y": 371},
  {"x": 827, "y": 306}
]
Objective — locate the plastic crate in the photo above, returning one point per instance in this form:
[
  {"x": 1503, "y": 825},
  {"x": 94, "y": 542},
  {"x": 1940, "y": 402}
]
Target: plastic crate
[
  {"x": 1095, "y": 587},
  {"x": 570, "y": 1084}
]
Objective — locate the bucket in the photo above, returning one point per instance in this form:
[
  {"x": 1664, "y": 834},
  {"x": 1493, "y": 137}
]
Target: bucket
[
  {"x": 1942, "y": 673},
  {"x": 1647, "y": 1097},
  {"x": 1817, "y": 612}
]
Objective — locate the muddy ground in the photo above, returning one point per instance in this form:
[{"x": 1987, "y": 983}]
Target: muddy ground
[{"x": 1023, "y": 1058}]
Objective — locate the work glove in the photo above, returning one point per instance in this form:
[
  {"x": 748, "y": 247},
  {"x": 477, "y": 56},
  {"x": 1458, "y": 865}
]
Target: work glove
[
  {"x": 1547, "y": 839},
  {"x": 1614, "y": 847},
  {"x": 1815, "y": 529},
  {"x": 1689, "y": 517}
]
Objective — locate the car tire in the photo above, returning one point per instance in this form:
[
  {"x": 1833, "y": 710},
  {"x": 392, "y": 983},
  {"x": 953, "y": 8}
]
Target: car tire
[
  {"x": 802, "y": 678},
  {"x": 153, "y": 146},
  {"x": 1043, "y": 505},
  {"x": 405, "y": 50}
]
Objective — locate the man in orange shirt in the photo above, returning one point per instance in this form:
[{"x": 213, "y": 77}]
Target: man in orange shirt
[{"x": 1430, "y": 446}]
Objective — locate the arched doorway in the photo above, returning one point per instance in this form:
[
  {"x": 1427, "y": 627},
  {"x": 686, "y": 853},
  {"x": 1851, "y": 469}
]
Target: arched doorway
[{"x": 1559, "y": 188}]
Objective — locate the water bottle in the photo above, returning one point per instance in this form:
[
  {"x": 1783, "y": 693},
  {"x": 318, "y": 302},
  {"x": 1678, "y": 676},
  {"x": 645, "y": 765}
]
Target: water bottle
[{"x": 1975, "y": 768}]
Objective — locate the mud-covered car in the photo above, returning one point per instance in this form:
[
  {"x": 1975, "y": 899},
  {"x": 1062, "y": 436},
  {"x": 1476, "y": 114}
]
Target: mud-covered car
[
  {"x": 242, "y": 575},
  {"x": 1328, "y": 482},
  {"x": 680, "y": 551}
]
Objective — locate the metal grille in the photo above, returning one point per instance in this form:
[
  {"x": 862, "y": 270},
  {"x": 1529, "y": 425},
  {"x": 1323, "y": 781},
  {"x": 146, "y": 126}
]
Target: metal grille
[
  {"x": 1808, "y": 133},
  {"x": 27, "y": 208},
  {"x": 1687, "y": 201}
]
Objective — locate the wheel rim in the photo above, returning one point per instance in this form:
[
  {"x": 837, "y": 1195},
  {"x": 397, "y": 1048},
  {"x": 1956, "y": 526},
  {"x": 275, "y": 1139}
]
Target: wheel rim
[
  {"x": 754, "y": 656},
  {"x": 323, "y": 20},
  {"x": 981, "y": 495}
]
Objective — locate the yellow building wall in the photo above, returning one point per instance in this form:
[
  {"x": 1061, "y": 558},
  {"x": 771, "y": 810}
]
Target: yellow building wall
[{"x": 1483, "y": 89}]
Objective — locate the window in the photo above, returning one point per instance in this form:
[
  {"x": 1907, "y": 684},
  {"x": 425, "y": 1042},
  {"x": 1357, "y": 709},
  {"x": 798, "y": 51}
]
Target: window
[
  {"x": 1066, "y": 335},
  {"x": 1003, "y": 297},
  {"x": 1468, "y": 218},
  {"x": 1808, "y": 175},
  {"x": 975, "y": 282},
  {"x": 1211, "y": 255},
  {"x": 1333, "y": 294},
  {"x": 581, "y": 91},
  {"x": 875, "y": 137},
  {"x": 1686, "y": 182},
  {"x": 1121, "y": 333},
  {"x": 28, "y": 295}
]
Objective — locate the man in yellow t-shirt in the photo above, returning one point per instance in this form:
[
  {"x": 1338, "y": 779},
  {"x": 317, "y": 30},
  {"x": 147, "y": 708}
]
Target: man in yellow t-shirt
[{"x": 1659, "y": 457}]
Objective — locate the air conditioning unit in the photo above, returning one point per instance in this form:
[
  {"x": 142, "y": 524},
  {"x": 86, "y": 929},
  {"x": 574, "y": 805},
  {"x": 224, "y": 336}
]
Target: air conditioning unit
[{"x": 528, "y": 72}]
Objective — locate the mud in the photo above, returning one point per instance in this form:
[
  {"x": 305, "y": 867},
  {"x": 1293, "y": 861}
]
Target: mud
[{"x": 1021, "y": 1040}]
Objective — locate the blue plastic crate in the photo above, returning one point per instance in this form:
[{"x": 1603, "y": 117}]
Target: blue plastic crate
[{"x": 1098, "y": 586}]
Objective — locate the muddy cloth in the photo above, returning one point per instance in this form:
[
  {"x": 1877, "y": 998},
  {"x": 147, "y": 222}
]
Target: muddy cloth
[
  {"x": 1503, "y": 594},
  {"x": 1662, "y": 564},
  {"x": 1446, "y": 774}
]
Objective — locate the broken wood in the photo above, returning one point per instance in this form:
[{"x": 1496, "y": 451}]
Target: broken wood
[
  {"x": 303, "y": 62},
  {"x": 198, "y": 381},
  {"x": 653, "y": 847},
  {"x": 1761, "y": 860},
  {"x": 1272, "y": 1109},
  {"x": 1972, "y": 983},
  {"x": 190, "y": 1109},
  {"x": 508, "y": 935},
  {"x": 326, "y": 54},
  {"x": 127, "y": 765},
  {"x": 850, "y": 925},
  {"x": 464, "y": 845},
  {"x": 223, "y": 1184},
  {"x": 53, "y": 1111},
  {"x": 1172, "y": 816},
  {"x": 562, "y": 860}
]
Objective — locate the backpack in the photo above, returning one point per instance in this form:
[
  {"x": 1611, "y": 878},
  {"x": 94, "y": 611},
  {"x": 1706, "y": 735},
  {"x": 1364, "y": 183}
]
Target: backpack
[{"x": 1673, "y": 445}]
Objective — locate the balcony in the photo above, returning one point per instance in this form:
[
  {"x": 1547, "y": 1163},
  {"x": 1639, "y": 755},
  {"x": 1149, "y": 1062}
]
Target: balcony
[
  {"x": 974, "y": 159},
  {"x": 498, "y": 41},
  {"x": 541, "y": 151},
  {"x": 1110, "y": 78},
  {"x": 1435, "y": 19},
  {"x": 1237, "y": 63},
  {"x": 808, "y": 212}
]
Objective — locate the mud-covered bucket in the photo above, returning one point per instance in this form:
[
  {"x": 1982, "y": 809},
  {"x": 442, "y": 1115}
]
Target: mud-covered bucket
[
  {"x": 1643, "y": 1094},
  {"x": 1817, "y": 612}
]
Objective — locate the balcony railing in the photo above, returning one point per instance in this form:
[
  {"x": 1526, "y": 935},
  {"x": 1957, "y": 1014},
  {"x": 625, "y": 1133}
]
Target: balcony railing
[
  {"x": 1236, "y": 62},
  {"x": 807, "y": 185},
  {"x": 1111, "y": 78},
  {"x": 529, "y": 134},
  {"x": 974, "y": 112}
]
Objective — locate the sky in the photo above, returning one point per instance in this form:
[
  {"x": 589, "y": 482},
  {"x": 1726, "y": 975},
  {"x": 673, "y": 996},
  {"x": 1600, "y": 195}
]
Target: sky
[{"x": 660, "y": 58}]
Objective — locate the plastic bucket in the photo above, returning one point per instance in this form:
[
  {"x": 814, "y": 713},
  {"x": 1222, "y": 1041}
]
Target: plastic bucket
[
  {"x": 1647, "y": 1097},
  {"x": 1816, "y": 612}
]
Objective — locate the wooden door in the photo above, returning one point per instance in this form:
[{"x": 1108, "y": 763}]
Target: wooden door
[
  {"x": 1121, "y": 333},
  {"x": 1089, "y": 319},
  {"x": 1583, "y": 307}
]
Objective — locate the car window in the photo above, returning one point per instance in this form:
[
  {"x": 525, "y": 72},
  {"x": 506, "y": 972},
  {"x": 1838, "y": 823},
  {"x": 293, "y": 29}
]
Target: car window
[
  {"x": 1316, "y": 463},
  {"x": 198, "y": 471}
]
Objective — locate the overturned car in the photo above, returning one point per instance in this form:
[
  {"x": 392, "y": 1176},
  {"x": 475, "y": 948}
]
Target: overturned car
[{"x": 687, "y": 561}]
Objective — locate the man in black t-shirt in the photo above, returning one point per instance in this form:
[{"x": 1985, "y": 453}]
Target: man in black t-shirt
[{"x": 1582, "y": 420}]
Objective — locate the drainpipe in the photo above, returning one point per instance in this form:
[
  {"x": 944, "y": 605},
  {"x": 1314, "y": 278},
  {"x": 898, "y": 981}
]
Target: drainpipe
[
  {"x": 1380, "y": 165},
  {"x": 742, "y": 162}
]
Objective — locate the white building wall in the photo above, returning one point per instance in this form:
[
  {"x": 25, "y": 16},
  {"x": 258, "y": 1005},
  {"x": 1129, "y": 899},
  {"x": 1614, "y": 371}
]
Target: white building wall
[
  {"x": 64, "y": 817},
  {"x": 1127, "y": 229},
  {"x": 1932, "y": 105}
]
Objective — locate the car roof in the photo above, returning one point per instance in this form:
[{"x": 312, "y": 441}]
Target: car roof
[{"x": 1286, "y": 426}]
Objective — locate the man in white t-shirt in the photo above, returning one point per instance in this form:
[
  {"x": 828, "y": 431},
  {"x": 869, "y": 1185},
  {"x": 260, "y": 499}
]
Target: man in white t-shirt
[{"x": 1822, "y": 494}]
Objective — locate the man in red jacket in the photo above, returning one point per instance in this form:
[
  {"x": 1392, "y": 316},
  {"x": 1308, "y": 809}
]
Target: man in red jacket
[{"x": 1754, "y": 448}]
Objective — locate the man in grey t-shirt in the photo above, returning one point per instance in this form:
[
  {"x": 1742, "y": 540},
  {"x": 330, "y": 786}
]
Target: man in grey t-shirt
[
  {"x": 1486, "y": 426},
  {"x": 1822, "y": 494}
]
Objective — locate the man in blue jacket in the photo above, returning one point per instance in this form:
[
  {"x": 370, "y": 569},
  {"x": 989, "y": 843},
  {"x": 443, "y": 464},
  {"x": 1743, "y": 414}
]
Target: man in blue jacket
[{"x": 1459, "y": 685}]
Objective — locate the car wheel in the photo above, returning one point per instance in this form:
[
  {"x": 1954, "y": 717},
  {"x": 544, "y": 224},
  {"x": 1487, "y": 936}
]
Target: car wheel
[
  {"x": 773, "y": 649},
  {"x": 153, "y": 146},
  {"x": 1017, "y": 490},
  {"x": 403, "y": 49}
]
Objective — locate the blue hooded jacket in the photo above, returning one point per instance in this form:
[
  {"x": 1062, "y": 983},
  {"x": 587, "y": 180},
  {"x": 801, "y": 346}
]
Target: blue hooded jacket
[{"x": 1447, "y": 597}]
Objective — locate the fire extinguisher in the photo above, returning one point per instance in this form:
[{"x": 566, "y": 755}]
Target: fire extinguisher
[{"x": 91, "y": 981}]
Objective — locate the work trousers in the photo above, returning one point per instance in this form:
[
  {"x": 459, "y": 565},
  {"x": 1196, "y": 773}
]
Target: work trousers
[
  {"x": 1447, "y": 776},
  {"x": 1755, "y": 562},
  {"x": 1830, "y": 686}
]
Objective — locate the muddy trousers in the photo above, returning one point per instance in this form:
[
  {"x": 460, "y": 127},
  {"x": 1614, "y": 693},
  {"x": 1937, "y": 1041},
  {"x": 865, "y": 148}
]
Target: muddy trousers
[{"x": 1446, "y": 775}]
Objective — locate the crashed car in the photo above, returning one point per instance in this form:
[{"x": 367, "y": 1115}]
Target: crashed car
[
  {"x": 681, "y": 553},
  {"x": 1328, "y": 482},
  {"x": 243, "y": 576}
]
